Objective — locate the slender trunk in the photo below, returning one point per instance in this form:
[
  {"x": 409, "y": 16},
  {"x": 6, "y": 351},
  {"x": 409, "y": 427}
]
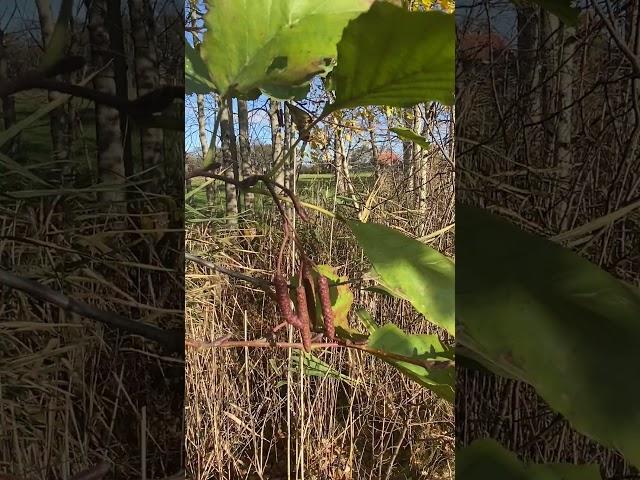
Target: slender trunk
[
  {"x": 231, "y": 197},
  {"x": 147, "y": 79},
  {"x": 420, "y": 157},
  {"x": 564, "y": 129},
  {"x": 8, "y": 102},
  {"x": 276, "y": 138},
  {"x": 289, "y": 168},
  {"x": 202, "y": 131},
  {"x": 57, "y": 117},
  {"x": 109, "y": 140},
  {"x": 549, "y": 28},
  {"x": 288, "y": 141},
  {"x": 245, "y": 165},
  {"x": 116, "y": 34},
  {"x": 527, "y": 47},
  {"x": 345, "y": 185}
]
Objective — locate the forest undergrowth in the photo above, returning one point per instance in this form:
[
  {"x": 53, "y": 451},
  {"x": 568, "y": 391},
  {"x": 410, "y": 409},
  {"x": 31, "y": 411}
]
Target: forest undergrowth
[{"x": 254, "y": 412}]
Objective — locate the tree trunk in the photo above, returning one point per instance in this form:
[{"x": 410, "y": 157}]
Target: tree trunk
[
  {"x": 276, "y": 138},
  {"x": 420, "y": 157},
  {"x": 245, "y": 165},
  {"x": 8, "y": 102},
  {"x": 228, "y": 150},
  {"x": 527, "y": 47},
  {"x": 343, "y": 177},
  {"x": 287, "y": 167},
  {"x": 549, "y": 51},
  {"x": 147, "y": 79},
  {"x": 564, "y": 129},
  {"x": 116, "y": 35},
  {"x": 202, "y": 130},
  {"x": 57, "y": 117},
  {"x": 109, "y": 140}
]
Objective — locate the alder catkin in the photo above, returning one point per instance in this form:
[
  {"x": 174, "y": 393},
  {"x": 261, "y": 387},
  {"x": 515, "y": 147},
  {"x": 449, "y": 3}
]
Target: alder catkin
[
  {"x": 284, "y": 302},
  {"x": 303, "y": 316},
  {"x": 327, "y": 311}
]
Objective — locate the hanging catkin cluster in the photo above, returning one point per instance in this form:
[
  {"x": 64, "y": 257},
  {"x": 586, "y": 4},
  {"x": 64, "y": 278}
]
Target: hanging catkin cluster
[{"x": 300, "y": 319}]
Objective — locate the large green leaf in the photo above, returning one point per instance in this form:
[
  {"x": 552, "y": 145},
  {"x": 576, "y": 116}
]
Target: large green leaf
[
  {"x": 554, "y": 320},
  {"x": 487, "y": 460},
  {"x": 196, "y": 73},
  {"x": 273, "y": 45},
  {"x": 411, "y": 270},
  {"x": 390, "y": 56},
  {"x": 390, "y": 338}
]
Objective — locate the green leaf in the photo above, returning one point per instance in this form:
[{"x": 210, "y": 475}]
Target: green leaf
[
  {"x": 486, "y": 459},
  {"x": 554, "y": 320},
  {"x": 315, "y": 367},
  {"x": 55, "y": 48},
  {"x": 273, "y": 46},
  {"x": 411, "y": 270},
  {"x": 411, "y": 136},
  {"x": 196, "y": 73},
  {"x": 561, "y": 9},
  {"x": 341, "y": 295},
  {"x": 409, "y": 59},
  {"x": 390, "y": 338},
  {"x": 341, "y": 302},
  {"x": 367, "y": 321}
]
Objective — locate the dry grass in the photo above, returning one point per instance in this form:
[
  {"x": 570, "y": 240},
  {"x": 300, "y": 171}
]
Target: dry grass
[
  {"x": 254, "y": 413},
  {"x": 74, "y": 393}
]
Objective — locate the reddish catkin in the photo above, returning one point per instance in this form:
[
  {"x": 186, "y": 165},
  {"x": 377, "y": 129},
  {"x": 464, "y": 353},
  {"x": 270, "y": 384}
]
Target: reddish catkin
[
  {"x": 303, "y": 316},
  {"x": 284, "y": 302},
  {"x": 327, "y": 311}
]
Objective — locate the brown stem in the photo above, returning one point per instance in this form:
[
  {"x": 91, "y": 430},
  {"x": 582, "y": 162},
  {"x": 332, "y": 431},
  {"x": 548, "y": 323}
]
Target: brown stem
[
  {"x": 171, "y": 340},
  {"x": 257, "y": 344},
  {"x": 303, "y": 315}
]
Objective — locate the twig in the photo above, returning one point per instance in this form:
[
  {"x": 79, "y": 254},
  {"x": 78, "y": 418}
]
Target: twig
[
  {"x": 170, "y": 340},
  {"x": 258, "y": 282},
  {"x": 225, "y": 343},
  {"x": 153, "y": 102},
  {"x": 633, "y": 59},
  {"x": 251, "y": 181},
  {"x": 220, "y": 343}
]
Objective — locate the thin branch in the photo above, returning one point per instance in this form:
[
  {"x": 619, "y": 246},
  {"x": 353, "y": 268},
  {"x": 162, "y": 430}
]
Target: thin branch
[
  {"x": 225, "y": 343},
  {"x": 152, "y": 102},
  {"x": 171, "y": 340},
  {"x": 250, "y": 182},
  {"x": 258, "y": 282},
  {"x": 628, "y": 53}
]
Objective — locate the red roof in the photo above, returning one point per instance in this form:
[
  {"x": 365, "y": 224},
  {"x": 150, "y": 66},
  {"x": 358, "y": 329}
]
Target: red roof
[
  {"x": 387, "y": 157},
  {"x": 480, "y": 45}
]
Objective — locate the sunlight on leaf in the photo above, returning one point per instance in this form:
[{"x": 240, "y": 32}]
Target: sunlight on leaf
[
  {"x": 410, "y": 270},
  {"x": 544, "y": 314},
  {"x": 390, "y": 338},
  {"x": 418, "y": 62}
]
